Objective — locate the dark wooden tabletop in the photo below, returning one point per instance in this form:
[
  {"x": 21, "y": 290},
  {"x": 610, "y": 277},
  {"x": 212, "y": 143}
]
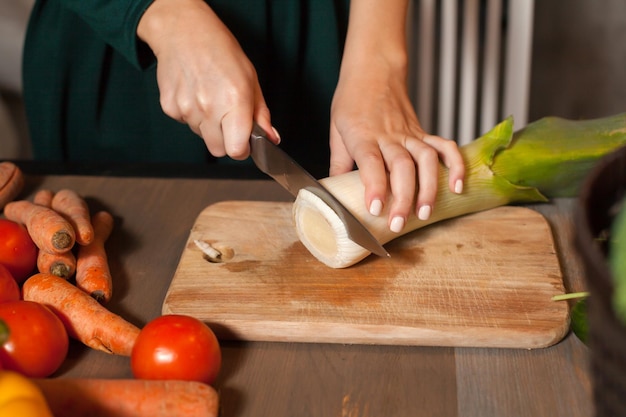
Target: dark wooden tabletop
[{"x": 154, "y": 217}]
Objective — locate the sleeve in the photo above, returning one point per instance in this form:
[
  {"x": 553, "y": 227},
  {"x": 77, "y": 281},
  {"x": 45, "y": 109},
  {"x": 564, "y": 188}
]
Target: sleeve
[{"x": 115, "y": 21}]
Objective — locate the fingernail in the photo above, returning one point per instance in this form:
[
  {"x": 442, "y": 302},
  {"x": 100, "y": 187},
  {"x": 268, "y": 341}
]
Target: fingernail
[
  {"x": 276, "y": 133},
  {"x": 424, "y": 212},
  {"x": 397, "y": 224},
  {"x": 376, "y": 207},
  {"x": 458, "y": 186}
]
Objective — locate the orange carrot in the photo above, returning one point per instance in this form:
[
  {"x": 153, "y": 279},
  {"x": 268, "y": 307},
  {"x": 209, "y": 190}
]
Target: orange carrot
[
  {"x": 75, "y": 209},
  {"x": 92, "y": 269},
  {"x": 60, "y": 264},
  {"x": 86, "y": 397},
  {"x": 43, "y": 198},
  {"x": 84, "y": 318},
  {"x": 11, "y": 182},
  {"x": 48, "y": 229}
]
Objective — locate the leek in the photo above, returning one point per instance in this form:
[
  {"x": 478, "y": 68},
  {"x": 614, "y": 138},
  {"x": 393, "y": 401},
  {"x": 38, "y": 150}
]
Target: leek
[{"x": 548, "y": 158}]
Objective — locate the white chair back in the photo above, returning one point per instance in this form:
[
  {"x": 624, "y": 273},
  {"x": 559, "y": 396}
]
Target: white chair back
[{"x": 470, "y": 64}]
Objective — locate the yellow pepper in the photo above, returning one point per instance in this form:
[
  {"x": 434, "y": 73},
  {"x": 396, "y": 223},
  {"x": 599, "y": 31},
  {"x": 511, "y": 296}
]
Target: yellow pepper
[{"x": 19, "y": 396}]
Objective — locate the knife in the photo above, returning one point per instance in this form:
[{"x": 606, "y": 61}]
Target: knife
[{"x": 275, "y": 162}]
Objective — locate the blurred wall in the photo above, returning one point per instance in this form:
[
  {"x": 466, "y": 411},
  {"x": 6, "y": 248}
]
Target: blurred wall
[
  {"x": 579, "y": 59},
  {"x": 13, "y": 20},
  {"x": 14, "y": 143}
]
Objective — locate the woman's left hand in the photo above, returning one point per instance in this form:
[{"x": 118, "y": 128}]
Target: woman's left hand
[{"x": 373, "y": 124}]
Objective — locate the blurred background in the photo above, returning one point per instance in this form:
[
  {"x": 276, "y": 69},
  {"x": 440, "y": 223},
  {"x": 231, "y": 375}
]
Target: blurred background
[
  {"x": 14, "y": 139},
  {"x": 577, "y": 62}
]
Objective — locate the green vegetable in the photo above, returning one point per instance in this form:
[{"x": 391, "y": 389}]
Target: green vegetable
[
  {"x": 579, "y": 320},
  {"x": 555, "y": 155},
  {"x": 617, "y": 263}
]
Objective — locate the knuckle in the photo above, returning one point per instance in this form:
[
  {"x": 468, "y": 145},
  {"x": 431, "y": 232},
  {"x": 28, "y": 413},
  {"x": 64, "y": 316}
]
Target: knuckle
[
  {"x": 238, "y": 151},
  {"x": 401, "y": 163},
  {"x": 449, "y": 146},
  {"x": 428, "y": 153},
  {"x": 169, "y": 107}
]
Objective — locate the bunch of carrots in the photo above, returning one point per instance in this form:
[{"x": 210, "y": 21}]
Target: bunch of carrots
[{"x": 75, "y": 282}]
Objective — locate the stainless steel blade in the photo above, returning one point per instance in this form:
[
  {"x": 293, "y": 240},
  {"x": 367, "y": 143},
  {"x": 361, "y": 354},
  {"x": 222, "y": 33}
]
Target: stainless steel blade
[{"x": 275, "y": 162}]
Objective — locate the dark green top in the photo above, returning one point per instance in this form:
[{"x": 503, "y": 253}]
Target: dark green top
[{"x": 90, "y": 85}]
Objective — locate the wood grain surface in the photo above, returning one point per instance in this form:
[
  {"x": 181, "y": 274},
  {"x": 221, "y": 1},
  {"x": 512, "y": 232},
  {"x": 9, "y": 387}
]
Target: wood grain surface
[
  {"x": 482, "y": 280},
  {"x": 154, "y": 217}
]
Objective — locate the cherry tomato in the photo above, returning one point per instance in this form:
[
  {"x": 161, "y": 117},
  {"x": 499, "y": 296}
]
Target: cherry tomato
[
  {"x": 176, "y": 347},
  {"x": 9, "y": 290},
  {"x": 37, "y": 342},
  {"x": 17, "y": 250}
]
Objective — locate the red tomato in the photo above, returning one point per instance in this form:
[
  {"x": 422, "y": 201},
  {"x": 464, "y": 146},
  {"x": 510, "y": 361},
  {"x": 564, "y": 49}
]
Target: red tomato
[
  {"x": 37, "y": 344},
  {"x": 9, "y": 290},
  {"x": 176, "y": 347},
  {"x": 17, "y": 250}
]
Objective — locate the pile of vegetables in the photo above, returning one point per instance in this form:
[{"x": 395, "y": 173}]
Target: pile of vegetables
[{"x": 55, "y": 283}]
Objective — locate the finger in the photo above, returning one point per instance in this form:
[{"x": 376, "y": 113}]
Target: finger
[
  {"x": 427, "y": 160},
  {"x": 211, "y": 133},
  {"x": 373, "y": 174},
  {"x": 371, "y": 169},
  {"x": 263, "y": 118},
  {"x": 451, "y": 157},
  {"x": 236, "y": 128},
  {"x": 340, "y": 159},
  {"x": 402, "y": 184}
]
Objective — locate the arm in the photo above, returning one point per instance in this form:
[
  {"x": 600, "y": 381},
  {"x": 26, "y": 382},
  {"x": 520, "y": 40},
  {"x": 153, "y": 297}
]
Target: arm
[
  {"x": 204, "y": 77},
  {"x": 373, "y": 122},
  {"x": 115, "y": 22}
]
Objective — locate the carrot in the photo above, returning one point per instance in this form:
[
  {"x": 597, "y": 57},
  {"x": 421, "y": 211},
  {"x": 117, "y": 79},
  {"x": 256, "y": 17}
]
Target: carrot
[
  {"x": 75, "y": 209},
  {"x": 60, "y": 264},
  {"x": 43, "y": 198},
  {"x": 87, "y": 397},
  {"x": 83, "y": 317},
  {"x": 48, "y": 229},
  {"x": 11, "y": 182},
  {"x": 92, "y": 269}
]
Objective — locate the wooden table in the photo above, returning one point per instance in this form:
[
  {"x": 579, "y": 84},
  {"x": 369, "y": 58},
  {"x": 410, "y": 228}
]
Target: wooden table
[{"x": 154, "y": 218}]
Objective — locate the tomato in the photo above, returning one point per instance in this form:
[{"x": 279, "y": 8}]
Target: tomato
[
  {"x": 176, "y": 347},
  {"x": 9, "y": 290},
  {"x": 37, "y": 341},
  {"x": 17, "y": 250}
]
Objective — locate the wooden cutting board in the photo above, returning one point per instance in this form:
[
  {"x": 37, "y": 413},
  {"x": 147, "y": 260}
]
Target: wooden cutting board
[{"x": 481, "y": 280}]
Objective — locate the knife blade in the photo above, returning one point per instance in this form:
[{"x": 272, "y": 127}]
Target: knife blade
[{"x": 276, "y": 163}]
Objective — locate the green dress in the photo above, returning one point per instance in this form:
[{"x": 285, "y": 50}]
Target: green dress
[{"x": 90, "y": 88}]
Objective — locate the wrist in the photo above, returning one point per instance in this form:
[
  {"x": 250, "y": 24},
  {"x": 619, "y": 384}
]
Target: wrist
[
  {"x": 162, "y": 15},
  {"x": 375, "y": 64}
]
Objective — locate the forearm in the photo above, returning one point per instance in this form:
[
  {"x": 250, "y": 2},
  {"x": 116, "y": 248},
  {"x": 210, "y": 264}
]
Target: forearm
[{"x": 376, "y": 36}]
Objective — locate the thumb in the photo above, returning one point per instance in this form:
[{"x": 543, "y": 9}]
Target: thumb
[
  {"x": 263, "y": 118},
  {"x": 340, "y": 159}
]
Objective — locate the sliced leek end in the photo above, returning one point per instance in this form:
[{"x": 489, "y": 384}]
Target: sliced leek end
[{"x": 323, "y": 233}]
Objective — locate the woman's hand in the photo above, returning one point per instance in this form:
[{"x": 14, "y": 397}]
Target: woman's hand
[
  {"x": 204, "y": 77},
  {"x": 374, "y": 125}
]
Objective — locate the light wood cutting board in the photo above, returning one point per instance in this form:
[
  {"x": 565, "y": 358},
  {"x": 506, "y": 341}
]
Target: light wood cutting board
[{"x": 481, "y": 280}]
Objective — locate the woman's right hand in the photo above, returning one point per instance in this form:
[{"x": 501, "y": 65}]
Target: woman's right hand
[{"x": 205, "y": 79}]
